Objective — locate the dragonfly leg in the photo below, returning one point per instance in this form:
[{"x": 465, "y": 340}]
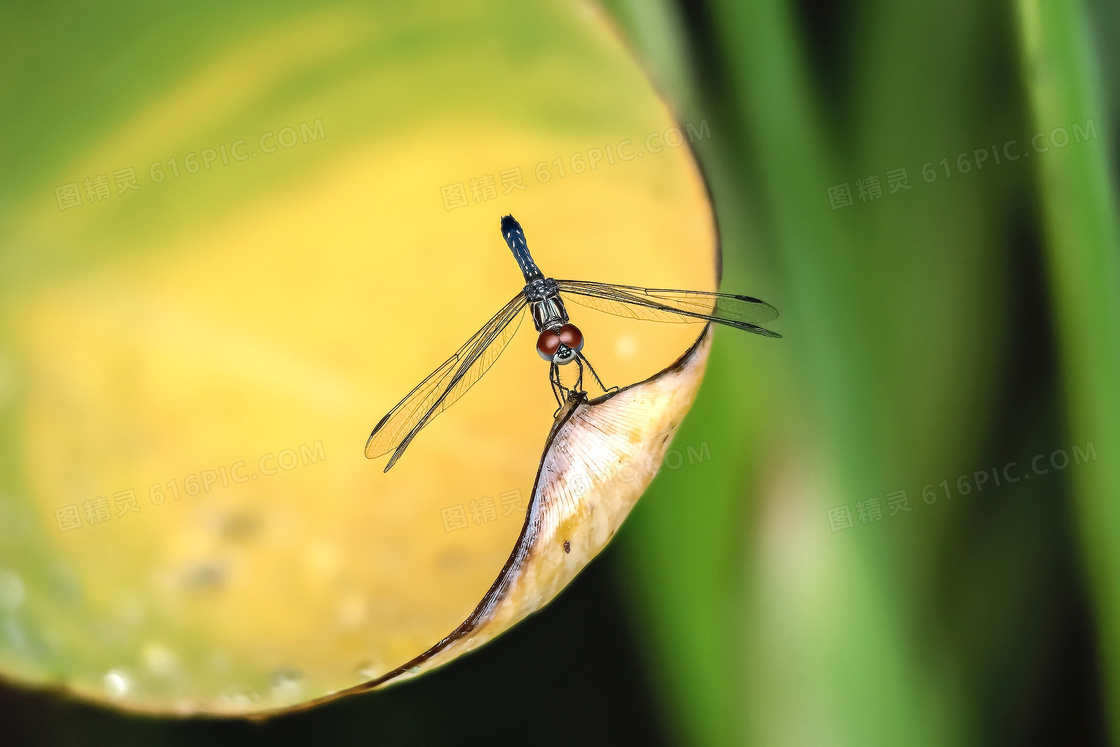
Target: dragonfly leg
[
  {"x": 580, "y": 358},
  {"x": 579, "y": 377},
  {"x": 557, "y": 387}
]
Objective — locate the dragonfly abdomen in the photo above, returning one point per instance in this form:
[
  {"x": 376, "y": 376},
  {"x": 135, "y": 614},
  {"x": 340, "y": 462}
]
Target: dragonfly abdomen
[{"x": 515, "y": 239}]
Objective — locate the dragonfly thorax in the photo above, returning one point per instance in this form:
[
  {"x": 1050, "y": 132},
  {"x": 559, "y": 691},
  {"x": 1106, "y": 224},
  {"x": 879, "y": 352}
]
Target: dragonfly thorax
[{"x": 545, "y": 304}]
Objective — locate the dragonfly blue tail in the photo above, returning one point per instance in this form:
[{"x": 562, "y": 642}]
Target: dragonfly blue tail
[{"x": 515, "y": 238}]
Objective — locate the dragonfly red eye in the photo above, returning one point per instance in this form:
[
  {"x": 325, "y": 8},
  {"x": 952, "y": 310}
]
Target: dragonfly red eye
[
  {"x": 571, "y": 336},
  {"x": 548, "y": 343}
]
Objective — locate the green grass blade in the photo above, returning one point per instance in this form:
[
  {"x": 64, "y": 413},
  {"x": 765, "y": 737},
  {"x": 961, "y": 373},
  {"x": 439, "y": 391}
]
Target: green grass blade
[{"x": 1083, "y": 250}]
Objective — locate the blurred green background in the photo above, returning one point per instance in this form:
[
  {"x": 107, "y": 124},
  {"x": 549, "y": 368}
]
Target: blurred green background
[{"x": 845, "y": 569}]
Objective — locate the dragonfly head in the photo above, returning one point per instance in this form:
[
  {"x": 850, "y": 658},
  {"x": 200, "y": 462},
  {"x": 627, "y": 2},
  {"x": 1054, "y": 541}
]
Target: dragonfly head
[{"x": 560, "y": 345}]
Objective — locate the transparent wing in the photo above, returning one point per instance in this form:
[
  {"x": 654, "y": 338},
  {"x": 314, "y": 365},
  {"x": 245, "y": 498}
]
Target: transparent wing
[
  {"x": 446, "y": 384},
  {"x": 662, "y": 305}
]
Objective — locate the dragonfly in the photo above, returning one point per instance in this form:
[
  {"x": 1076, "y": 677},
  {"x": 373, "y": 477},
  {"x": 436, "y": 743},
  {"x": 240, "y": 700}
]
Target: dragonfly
[{"x": 559, "y": 342}]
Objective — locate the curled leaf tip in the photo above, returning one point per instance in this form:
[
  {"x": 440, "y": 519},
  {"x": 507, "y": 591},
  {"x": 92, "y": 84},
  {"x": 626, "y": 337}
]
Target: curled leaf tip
[{"x": 599, "y": 458}]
